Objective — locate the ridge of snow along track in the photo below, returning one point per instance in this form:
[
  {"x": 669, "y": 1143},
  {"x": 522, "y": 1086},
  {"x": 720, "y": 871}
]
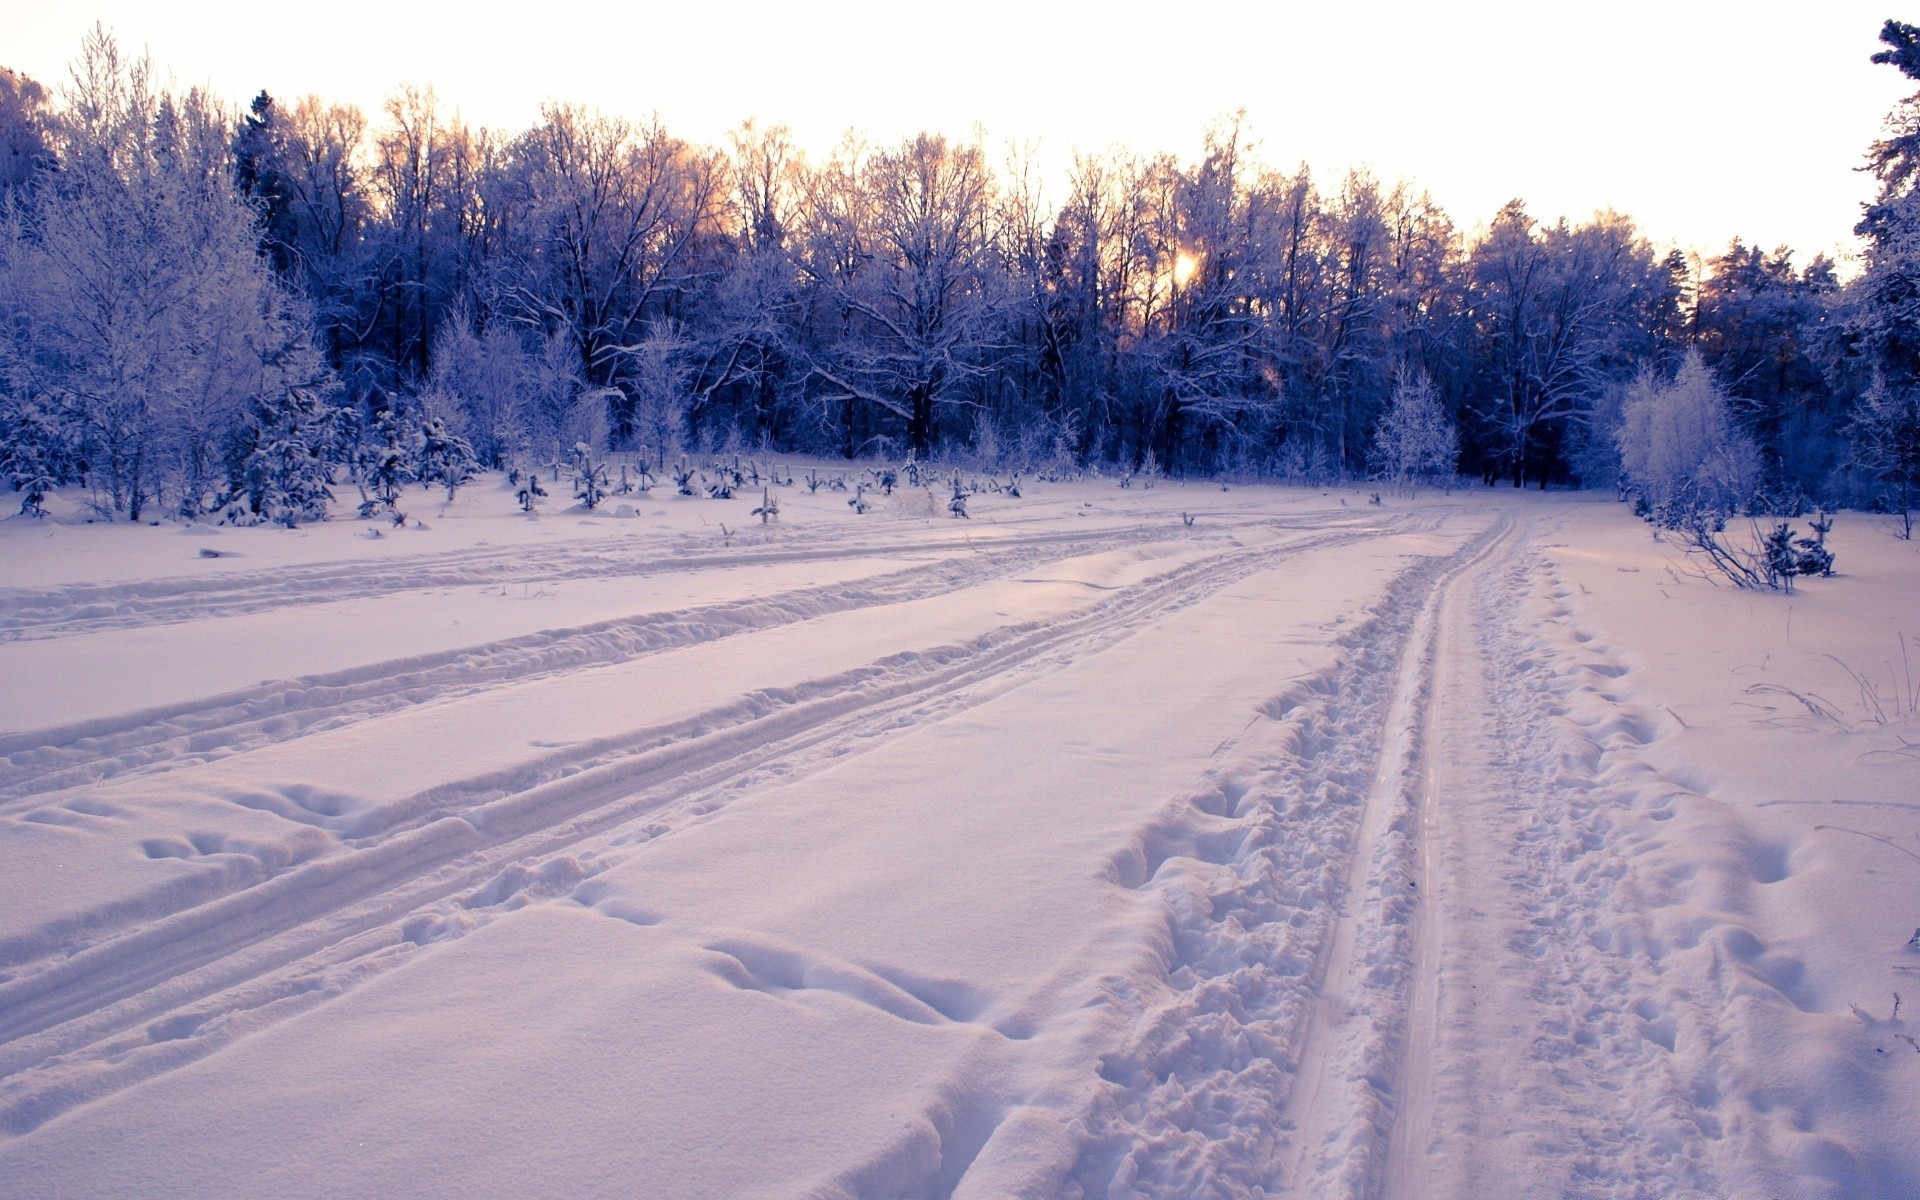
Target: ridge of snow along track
[
  {"x": 341, "y": 915},
  {"x": 1246, "y": 1068},
  {"x": 38, "y": 761},
  {"x": 60, "y": 611}
]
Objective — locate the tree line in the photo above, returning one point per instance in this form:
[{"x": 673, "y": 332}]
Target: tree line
[{"x": 205, "y": 311}]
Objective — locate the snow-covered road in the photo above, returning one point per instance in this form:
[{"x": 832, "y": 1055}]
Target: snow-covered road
[{"x": 1463, "y": 846}]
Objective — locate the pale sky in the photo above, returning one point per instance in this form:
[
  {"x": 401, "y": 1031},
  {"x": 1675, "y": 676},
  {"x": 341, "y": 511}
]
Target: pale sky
[{"x": 1701, "y": 119}]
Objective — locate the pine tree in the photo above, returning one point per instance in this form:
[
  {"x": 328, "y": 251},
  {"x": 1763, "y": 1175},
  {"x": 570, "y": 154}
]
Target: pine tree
[
  {"x": 386, "y": 466},
  {"x": 443, "y": 456},
  {"x": 1886, "y": 419},
  {"x": 33, "y": 453},
  {"x": 280, "y": 470}
]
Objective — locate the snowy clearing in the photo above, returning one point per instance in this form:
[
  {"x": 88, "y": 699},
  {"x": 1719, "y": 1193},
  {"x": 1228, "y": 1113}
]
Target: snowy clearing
[{"x": 1467, "y": 845}]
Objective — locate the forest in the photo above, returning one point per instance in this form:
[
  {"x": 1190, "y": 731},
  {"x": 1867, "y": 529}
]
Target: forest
[{"x": 208, "y": 313}]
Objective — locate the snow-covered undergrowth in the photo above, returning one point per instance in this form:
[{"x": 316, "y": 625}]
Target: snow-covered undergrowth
[{"x": 1110, "y": 842}]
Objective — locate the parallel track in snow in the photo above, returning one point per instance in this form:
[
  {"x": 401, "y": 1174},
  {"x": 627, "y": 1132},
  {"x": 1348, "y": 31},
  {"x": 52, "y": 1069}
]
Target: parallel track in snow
[
  {"x": 149, "y": 998},
  {"x": 1273, "y": 1065},
  {"x": 37, "y": 762},
  {"x": 63, "y": 611},
  {"x": 1360, "y": 1062}
]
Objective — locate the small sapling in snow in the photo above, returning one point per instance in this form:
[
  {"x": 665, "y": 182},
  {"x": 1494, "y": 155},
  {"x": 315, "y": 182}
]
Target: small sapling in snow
[
  {"x": 530, "y": 493},
  {"x": 589, "y": 477},
  {"x": 769, "y": 510},
  {"x": 859, "y": 502}
]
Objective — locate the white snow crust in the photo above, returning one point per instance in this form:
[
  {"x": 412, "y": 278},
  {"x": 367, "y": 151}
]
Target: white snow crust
[{"x": 1469, "y": 845}]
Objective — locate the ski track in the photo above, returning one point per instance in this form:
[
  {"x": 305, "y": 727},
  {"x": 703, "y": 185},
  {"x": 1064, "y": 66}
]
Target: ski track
[
  {"x": 1314, "y": 1005},
  {"x": 38, "y": 762},
  {"x": 1300, "y": 850},
  {"x": 1318, "y": 1030},
  {"x": 30, "y": 613},
  {"x": 81, "y": 1020}
]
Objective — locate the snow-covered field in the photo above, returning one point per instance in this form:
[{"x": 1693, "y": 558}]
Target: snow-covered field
[{"x": 1467, "y": 845}]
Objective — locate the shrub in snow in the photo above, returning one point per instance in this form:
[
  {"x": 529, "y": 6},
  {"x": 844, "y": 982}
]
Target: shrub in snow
[
  {"x": 1414, "y": 439},
  {"x": 589, "y": 476},
  {"x": 1684, "y": 461},
  {"x": 443, "y": 457},
  {"x": 1771, "y": 558},
  {"x": 280, "y": 468},
  {"x": 530, "y": 492},
  {"x": 32, "y": 452},
  {"x": 386, "y": 467}
]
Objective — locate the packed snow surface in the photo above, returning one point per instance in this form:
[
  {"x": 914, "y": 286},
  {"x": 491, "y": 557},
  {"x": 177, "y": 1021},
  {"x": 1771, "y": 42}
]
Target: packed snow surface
[{"x": 1157, "y": 841}]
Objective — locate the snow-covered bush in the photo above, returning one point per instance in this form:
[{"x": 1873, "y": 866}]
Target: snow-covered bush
[
  {"x": 589, "y": 476},
  {"x": 279, "y": 472},
  {"x": 33, "y": 451},
  {"x": 1886, "y": 438},
  {"x": 1685, "y": 462},
  {"x": 386, "y": 464},
  {"x": 442, "y": 456},
  {"x": 1414, "y": 440},
  {"x": 1771, "y": 558}
]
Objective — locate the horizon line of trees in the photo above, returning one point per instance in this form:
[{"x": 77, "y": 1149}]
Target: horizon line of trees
[{"x": 204, "y": 311}]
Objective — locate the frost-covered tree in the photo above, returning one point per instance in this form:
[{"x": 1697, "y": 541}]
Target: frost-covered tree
[
  {"x": 1681, "y": 452},
  {"x": 132, "y": 295},
  {"x": 514, "y": 393},
  {"x": 610, "y": 220},
  {"x": 661, "y": 396},
  {"x": 34, "y": 454},
  {"x": 24, "y": 123},
  {"x": 1556, "y": 313},
  {"x": 279, "y": 471},
  {"x": 1414, "y": 439},
  {"x": 1886, "y": 419},
  {"x": 1886, "y": 438},
  {"x": 900, "y": 260},
  {"x": 442, "y": 456}
]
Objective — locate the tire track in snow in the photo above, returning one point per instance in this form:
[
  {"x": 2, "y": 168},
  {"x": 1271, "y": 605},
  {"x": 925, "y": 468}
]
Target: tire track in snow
[
  {"x": 36, "y": 762},
  {"x": 1278, "y": 885},
  {"x": 78, "y": 1027}
]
